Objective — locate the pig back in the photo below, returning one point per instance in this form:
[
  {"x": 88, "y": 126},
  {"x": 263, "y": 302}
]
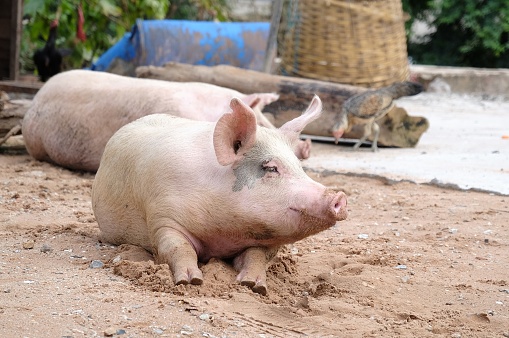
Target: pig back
[
  {"x": 76, "y": 112},
  {"x": 146, "y": 170}
]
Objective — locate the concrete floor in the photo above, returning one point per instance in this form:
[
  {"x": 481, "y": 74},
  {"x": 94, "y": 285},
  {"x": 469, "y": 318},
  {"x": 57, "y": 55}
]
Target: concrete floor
[{"x": 467, "y": 145}]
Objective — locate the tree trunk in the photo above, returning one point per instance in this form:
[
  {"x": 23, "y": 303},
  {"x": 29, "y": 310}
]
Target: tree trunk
[{"x": 397, "y": 128}]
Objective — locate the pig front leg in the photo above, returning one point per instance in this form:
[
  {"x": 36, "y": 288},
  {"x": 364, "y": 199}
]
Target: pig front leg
[
  {"x": 174, "y": 248},
  {"x": 252, "y": 266}
]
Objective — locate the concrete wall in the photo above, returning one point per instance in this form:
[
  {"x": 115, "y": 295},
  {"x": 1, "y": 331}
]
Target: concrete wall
[
  {"x": 251, "y": 10},
  {"x": 463, "y": 80}
]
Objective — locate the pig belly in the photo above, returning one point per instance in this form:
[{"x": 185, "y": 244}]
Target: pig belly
[
  {"x": 121, "y": 223},
  {"x": 224, "y": 247}
]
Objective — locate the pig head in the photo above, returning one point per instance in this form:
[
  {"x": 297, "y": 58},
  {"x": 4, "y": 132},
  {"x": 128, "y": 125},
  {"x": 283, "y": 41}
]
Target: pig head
[
  {"x": 75, "y": 113},
  {"x": 189, "y": 191}
]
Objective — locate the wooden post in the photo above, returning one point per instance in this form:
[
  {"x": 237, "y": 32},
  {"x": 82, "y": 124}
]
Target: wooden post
[
  {"x": 16, "y": 15},
  {"x": 270, "y": 52}
]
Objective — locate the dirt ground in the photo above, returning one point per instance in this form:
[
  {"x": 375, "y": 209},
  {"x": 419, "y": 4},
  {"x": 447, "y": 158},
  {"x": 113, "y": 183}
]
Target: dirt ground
[{"x": 410, "y": 261}]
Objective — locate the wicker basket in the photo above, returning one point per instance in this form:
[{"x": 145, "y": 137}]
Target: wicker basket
[{"x": 353, "y": 42}]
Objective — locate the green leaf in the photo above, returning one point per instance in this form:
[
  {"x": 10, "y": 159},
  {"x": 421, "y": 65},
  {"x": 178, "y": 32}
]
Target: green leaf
[
  {"x": 106, "y": 21},
  {"x": 109, "y": 9},
  {"x": 31, "y": 7}
]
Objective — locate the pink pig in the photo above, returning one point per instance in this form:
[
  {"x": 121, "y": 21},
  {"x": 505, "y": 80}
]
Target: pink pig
[
  {"x": 190, "y": 191},
  {"x": 76, "y": 112}
]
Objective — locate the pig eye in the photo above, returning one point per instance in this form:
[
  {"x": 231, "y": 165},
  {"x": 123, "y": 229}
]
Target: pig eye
[
  {"x": 269, "y": 169},
  {"x": 270, "y": 166}
]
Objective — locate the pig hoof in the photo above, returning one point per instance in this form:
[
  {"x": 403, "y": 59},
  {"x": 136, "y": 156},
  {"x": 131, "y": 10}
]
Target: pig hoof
[
  {"x": 261, "y": 289},
  {"x": 258, "y": 288},
  {"x": 248, "y": 283},
  {"x": 189, "y": 277},
  {"x": 194, "y": 281},
  {"x": 304, "y": 149}
]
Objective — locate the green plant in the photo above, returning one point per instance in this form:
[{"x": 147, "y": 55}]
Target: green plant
[
  {"x": 201, "y": 10},
  {"x": 466, "y": 32},
  {"x": 106, "y": 21}
]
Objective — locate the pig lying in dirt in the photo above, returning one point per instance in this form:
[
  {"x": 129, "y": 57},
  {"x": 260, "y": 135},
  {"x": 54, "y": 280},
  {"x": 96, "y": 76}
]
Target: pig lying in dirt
[
  {"x": 76, "y": 112},
  {"x": 189, "y": 191}
]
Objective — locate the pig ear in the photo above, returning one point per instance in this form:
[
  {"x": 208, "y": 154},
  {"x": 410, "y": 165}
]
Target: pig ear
[
  {"x": 235, "y": 133},
  {"x": 260, "y": 100},
  {"x": 294, "y": 127},
  {"x": 251, "y": 100}
]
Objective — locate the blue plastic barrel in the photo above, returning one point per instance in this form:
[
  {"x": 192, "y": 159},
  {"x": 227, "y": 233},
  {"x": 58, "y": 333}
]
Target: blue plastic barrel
[{"x": 156, "y": 42}]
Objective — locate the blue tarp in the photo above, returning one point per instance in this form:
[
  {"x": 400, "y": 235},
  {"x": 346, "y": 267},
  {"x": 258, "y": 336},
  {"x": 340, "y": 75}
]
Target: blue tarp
[{"x": 156, "y": 42}]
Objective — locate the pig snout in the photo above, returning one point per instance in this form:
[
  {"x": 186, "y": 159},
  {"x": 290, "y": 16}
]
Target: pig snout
[
  {"x": 337, "y": 206},
  {"x": 325, "y": 210}
]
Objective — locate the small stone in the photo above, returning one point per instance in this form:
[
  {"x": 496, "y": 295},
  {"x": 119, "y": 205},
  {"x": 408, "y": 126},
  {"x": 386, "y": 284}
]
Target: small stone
[
  {"x": 37, "y": 173},
  {"x": 110, "y": 331},
  {"x": 186, "y": 330},
  {"x": 96, "y": 264},
  {"x": 363, "y": 236},
  {"x": 116, "y": 260},
  {"x": 301, "y": 313},
  {"x": 204, "y": 316},
  {"x": 401, "y": 267},
  {"x": 120, "y": 331},
  {"x": 46, "y": 248},
  {"x": 456, "y": 335},
  {"x": 157, "y": 330},
  {"x": 28, "y": 245},
  {"x": 7, "y": 290}
]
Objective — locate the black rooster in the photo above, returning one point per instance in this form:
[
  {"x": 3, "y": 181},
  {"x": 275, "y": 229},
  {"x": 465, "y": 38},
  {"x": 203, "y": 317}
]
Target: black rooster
[{"x": 48, "y": 59}]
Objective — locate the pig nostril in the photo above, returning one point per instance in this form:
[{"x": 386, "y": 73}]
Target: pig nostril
[{"x": 339, "y": 204}]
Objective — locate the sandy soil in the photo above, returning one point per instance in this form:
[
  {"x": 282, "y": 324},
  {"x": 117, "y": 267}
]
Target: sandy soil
[{"x": 410, "y": 261}]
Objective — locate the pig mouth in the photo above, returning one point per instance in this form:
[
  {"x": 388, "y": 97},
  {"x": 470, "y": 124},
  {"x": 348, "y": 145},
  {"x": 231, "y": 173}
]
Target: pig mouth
[
  {"x": 309, "y": 224},
  {"x": 336, "y": 211},
  {"x": 317, "y": 222}
]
